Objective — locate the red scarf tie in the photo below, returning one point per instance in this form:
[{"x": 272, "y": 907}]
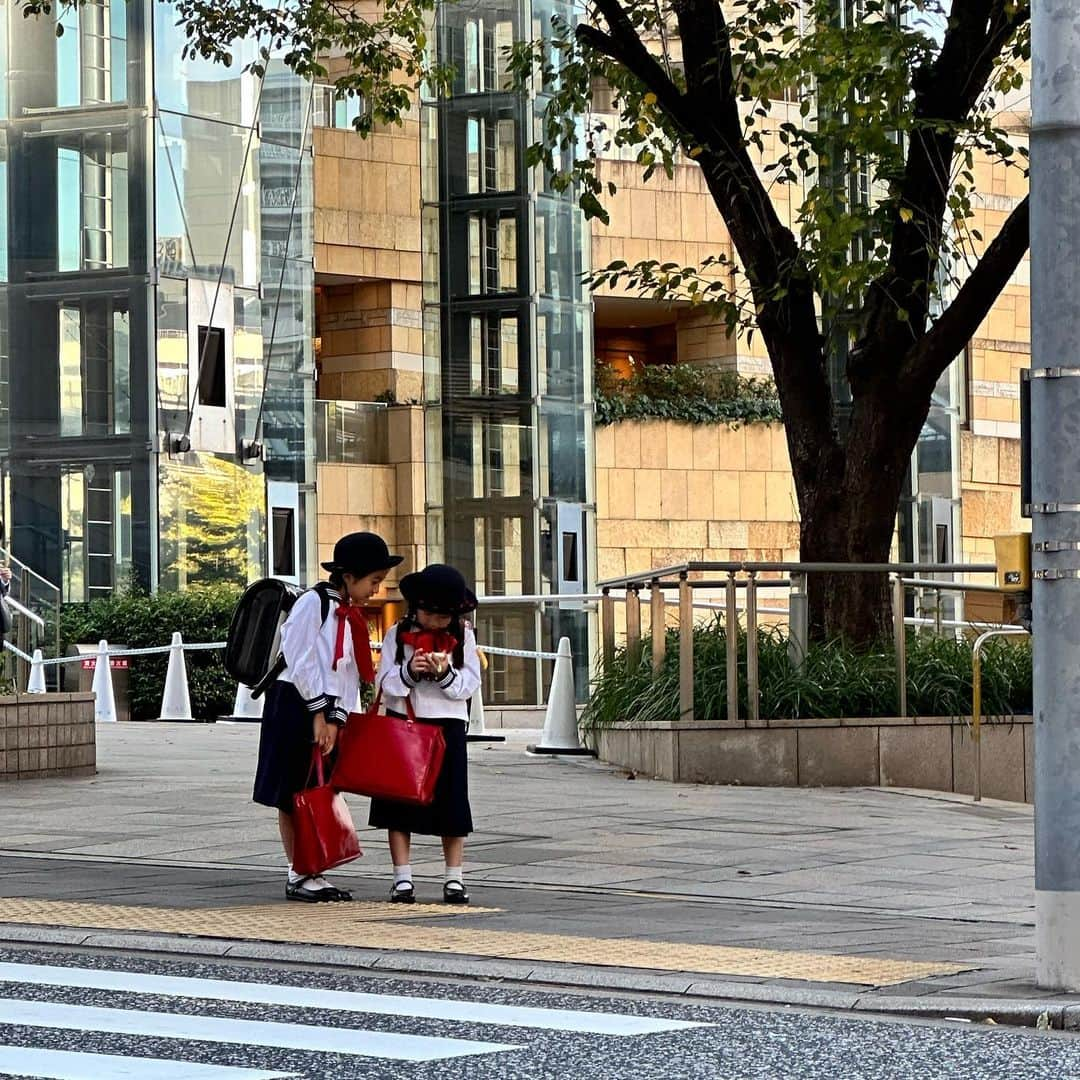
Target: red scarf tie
[
  {"x": 358, "y": 625},
  {"x": 430, "y": 640}
]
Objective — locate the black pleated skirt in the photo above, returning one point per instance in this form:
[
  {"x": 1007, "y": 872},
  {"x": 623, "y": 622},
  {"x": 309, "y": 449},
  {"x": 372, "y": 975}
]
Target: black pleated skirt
[
  {"x": 285, "y": 741},
  {"x": 449, "y": 813}
]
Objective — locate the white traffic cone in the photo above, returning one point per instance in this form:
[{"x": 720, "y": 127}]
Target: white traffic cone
[
  {"x": 36, "y": 683},
  {"x": 478, "y": 731},
  {"x": 104, "y": 698},
  {"x": 245, "y": 707},
  {"x": 560, "y": 735},
  {"x": 176, "y": 701}
]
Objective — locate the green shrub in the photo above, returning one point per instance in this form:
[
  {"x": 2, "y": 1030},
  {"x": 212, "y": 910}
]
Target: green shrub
[
  {"x": 140, "y": 621},
  {"x": 695, "y": 395},
  {"x": 836, "y": 680}
]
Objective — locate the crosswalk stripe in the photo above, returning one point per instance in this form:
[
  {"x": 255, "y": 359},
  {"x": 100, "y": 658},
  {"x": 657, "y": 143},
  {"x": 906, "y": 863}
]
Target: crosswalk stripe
[
  {"x": 218, "y": 1029},
  {"x": 71, "y": 1065},
  {"x": 469, "y": 1012}
]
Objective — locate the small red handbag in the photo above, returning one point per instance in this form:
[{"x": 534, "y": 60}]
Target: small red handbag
[
  {"x": 325, "y": 835},
  {"x": 388, "y": 757}
]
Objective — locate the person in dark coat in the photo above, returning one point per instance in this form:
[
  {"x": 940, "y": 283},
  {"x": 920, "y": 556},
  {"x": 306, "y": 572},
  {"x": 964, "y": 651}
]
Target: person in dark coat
[
  {"x": 430, "y": 658},
  {"x": 326, "y": 659}
]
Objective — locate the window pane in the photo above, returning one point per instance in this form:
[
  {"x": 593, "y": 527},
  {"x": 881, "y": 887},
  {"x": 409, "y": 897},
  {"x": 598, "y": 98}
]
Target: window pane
[{"x": 71, "y": 392}]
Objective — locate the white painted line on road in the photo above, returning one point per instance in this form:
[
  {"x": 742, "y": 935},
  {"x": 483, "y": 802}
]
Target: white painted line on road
[
  {"x": 221, "y": 1029},
  {"x": 69, "y": 1065},
  {"x": 467, "y": 1012}
]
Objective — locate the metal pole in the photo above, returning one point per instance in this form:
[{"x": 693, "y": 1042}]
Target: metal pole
[
  {"x": 607, "y": 621},
  {"x": 686, "y": 650},
  {"x": 658, "y": 627},
  {"x": 753, "y": 709},
  {"x": 731, "y": 636},
  {"x": 1055, "y": 484},
  {"x": 22, "y": 631},
  {"x": 900, "y": 642},
  {"x": 976, "y": 720},
  {"x": 633, "y": 629},
  {"x": 798, "y": 621}
]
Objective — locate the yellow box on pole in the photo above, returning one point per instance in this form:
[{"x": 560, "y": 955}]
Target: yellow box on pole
[{"x": 1013, "y": 557}]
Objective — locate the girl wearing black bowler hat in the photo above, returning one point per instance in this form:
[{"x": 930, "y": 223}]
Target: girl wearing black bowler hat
[
  {"x": 324, "y": 642},
  {"x": 431, "y": 657}
]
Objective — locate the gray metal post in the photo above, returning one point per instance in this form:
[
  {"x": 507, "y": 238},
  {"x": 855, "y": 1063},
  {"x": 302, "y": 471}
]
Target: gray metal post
[
  {"x": 731, "y": 635},
  {"x": 1055, "y": 484},
  {"x": 633, "y": 629},
  {"x": 658, "y": 626},
  {"x": 798, "y": 621},
  {"x": 753, "y": 704},
  {"x": 607, "y": 629},
  {"x": 900, "y": 642},
  {"x": 686, "y": 650}
]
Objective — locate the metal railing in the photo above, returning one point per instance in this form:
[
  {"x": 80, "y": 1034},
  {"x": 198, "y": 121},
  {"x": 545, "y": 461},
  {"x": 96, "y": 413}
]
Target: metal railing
[
  {"x": 679, "y": 577},
  {"x": 976, "y": 700},
  {"x": 34, "y": 602}
]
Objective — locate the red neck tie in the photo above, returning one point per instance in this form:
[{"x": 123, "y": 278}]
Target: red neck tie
[{"x": 358, "y": 625}]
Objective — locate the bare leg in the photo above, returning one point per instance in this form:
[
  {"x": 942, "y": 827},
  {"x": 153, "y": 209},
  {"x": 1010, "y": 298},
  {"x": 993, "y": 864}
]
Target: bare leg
[
  {"x": 400, "y": 847},
  {"x": 453, "y": 850},
  {"x": 288, "y": 833}
]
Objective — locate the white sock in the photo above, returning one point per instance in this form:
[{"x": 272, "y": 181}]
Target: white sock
[
  {"x": 402, "y": 873},
  {"x": 454, "y": 873},
  {"x": 294, "y": 877}
]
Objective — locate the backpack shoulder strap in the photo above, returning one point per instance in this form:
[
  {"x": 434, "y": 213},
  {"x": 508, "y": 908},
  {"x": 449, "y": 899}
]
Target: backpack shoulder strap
[{"x": 323, "y": 589}]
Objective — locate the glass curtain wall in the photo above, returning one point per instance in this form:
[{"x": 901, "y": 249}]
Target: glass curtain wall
[
  {"x": 75, "y": 163},
  {"x": 509, "y": 423},
  {"x": 234, "y": 196}
]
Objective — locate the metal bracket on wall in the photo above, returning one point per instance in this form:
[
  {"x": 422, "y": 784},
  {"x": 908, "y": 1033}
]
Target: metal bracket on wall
[
  {"x": 1054, "y": 508},
  {"x": 1054, "y": 373},
  {"x": 1056, "y": 545},
  {"x": 1055, "y": 575}
]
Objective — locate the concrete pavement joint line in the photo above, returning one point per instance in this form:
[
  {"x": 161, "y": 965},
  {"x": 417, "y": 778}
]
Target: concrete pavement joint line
[{"x": 342, "y": 925}]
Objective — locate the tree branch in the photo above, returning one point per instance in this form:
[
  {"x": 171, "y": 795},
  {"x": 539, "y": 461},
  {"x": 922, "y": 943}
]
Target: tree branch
[{"x": 948, "y": 336}]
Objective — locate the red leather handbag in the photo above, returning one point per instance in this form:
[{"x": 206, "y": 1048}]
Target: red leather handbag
[
  {"x": 388, "y": 757},
  {"x": 325, "y": 835}
]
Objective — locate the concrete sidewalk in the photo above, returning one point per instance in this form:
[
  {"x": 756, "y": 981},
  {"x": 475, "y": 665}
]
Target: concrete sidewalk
[{"x": 870, "y": 897}]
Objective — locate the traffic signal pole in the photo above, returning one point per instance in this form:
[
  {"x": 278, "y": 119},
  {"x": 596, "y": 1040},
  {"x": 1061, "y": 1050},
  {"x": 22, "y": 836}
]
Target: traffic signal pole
[{"x": 1055, "y": 479}]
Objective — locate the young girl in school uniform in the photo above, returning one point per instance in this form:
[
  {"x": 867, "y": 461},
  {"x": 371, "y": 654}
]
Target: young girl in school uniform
[
  {"x": 326, "y": 660},
  {"x": 431, "y": 657}
]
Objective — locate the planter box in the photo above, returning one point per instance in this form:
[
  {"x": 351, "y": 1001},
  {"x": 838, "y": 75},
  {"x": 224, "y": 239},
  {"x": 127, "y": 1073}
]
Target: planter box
[
  {"x": 934, "y": 753},
  {"x": 44, "y": 735}
]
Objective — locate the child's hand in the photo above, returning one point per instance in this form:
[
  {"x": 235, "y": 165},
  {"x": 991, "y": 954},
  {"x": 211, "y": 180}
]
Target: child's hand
[
  {"x": 325, "y": 734},
  {"x": 421, "y": 663}
]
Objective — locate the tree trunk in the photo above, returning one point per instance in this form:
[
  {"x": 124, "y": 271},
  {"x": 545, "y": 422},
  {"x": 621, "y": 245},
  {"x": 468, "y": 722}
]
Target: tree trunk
[{"x": 849, "y": 516}]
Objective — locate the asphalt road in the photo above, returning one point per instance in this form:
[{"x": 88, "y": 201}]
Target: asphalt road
[{"x": 102, "y": 1015}]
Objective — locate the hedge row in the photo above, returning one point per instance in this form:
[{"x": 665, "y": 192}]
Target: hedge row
[
  {"x": 140, "y": 621},
  {"x": 836, "y": 680}
]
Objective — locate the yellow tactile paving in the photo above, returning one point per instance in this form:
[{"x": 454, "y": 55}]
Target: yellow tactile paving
[{"x": 385, "y": 926}]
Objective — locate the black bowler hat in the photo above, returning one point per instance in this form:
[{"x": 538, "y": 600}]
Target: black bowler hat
[
  {"x": 360, "y": 554},
  {"x": 439, "y": 589}
]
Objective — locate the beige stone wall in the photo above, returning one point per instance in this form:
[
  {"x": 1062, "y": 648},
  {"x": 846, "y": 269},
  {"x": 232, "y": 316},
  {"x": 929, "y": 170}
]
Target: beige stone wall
[
  {"x": 367, "y": 203},
  {"x": 669, "y": 492},
  {"x": 370, "y": 341},
  {"x": 386, "y": 498}
]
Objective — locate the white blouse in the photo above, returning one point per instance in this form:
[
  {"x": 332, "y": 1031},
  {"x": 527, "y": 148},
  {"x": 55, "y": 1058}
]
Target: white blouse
[
  {"x": 308, "y": 648},
  {"x": 433, "y": 700}
]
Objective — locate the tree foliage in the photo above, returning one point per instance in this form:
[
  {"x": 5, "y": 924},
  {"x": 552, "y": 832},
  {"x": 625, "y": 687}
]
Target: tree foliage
[{"x": 865, "y": 117}]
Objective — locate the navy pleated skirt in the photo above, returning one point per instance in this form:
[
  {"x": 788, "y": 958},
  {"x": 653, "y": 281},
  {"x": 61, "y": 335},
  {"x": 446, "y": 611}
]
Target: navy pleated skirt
[
  {"x": 285, "y": 741},
  {"x": 449, "y": 814}
]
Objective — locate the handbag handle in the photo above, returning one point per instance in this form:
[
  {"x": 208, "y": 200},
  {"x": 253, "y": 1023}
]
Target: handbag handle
[
  {"x": 410, "y": 712},
  {"x": 316, "y": 768}
]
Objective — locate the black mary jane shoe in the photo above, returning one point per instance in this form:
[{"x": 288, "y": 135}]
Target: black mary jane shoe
[
  {"x": 453, "y": 892},
  {"x": 302, "y": 891},
  {"x": 402, "y": 892}
]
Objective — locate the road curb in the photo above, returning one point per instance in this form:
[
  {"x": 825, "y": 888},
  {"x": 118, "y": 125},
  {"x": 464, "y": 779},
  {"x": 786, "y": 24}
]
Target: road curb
[{"x": 1059, "y": 1013}]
